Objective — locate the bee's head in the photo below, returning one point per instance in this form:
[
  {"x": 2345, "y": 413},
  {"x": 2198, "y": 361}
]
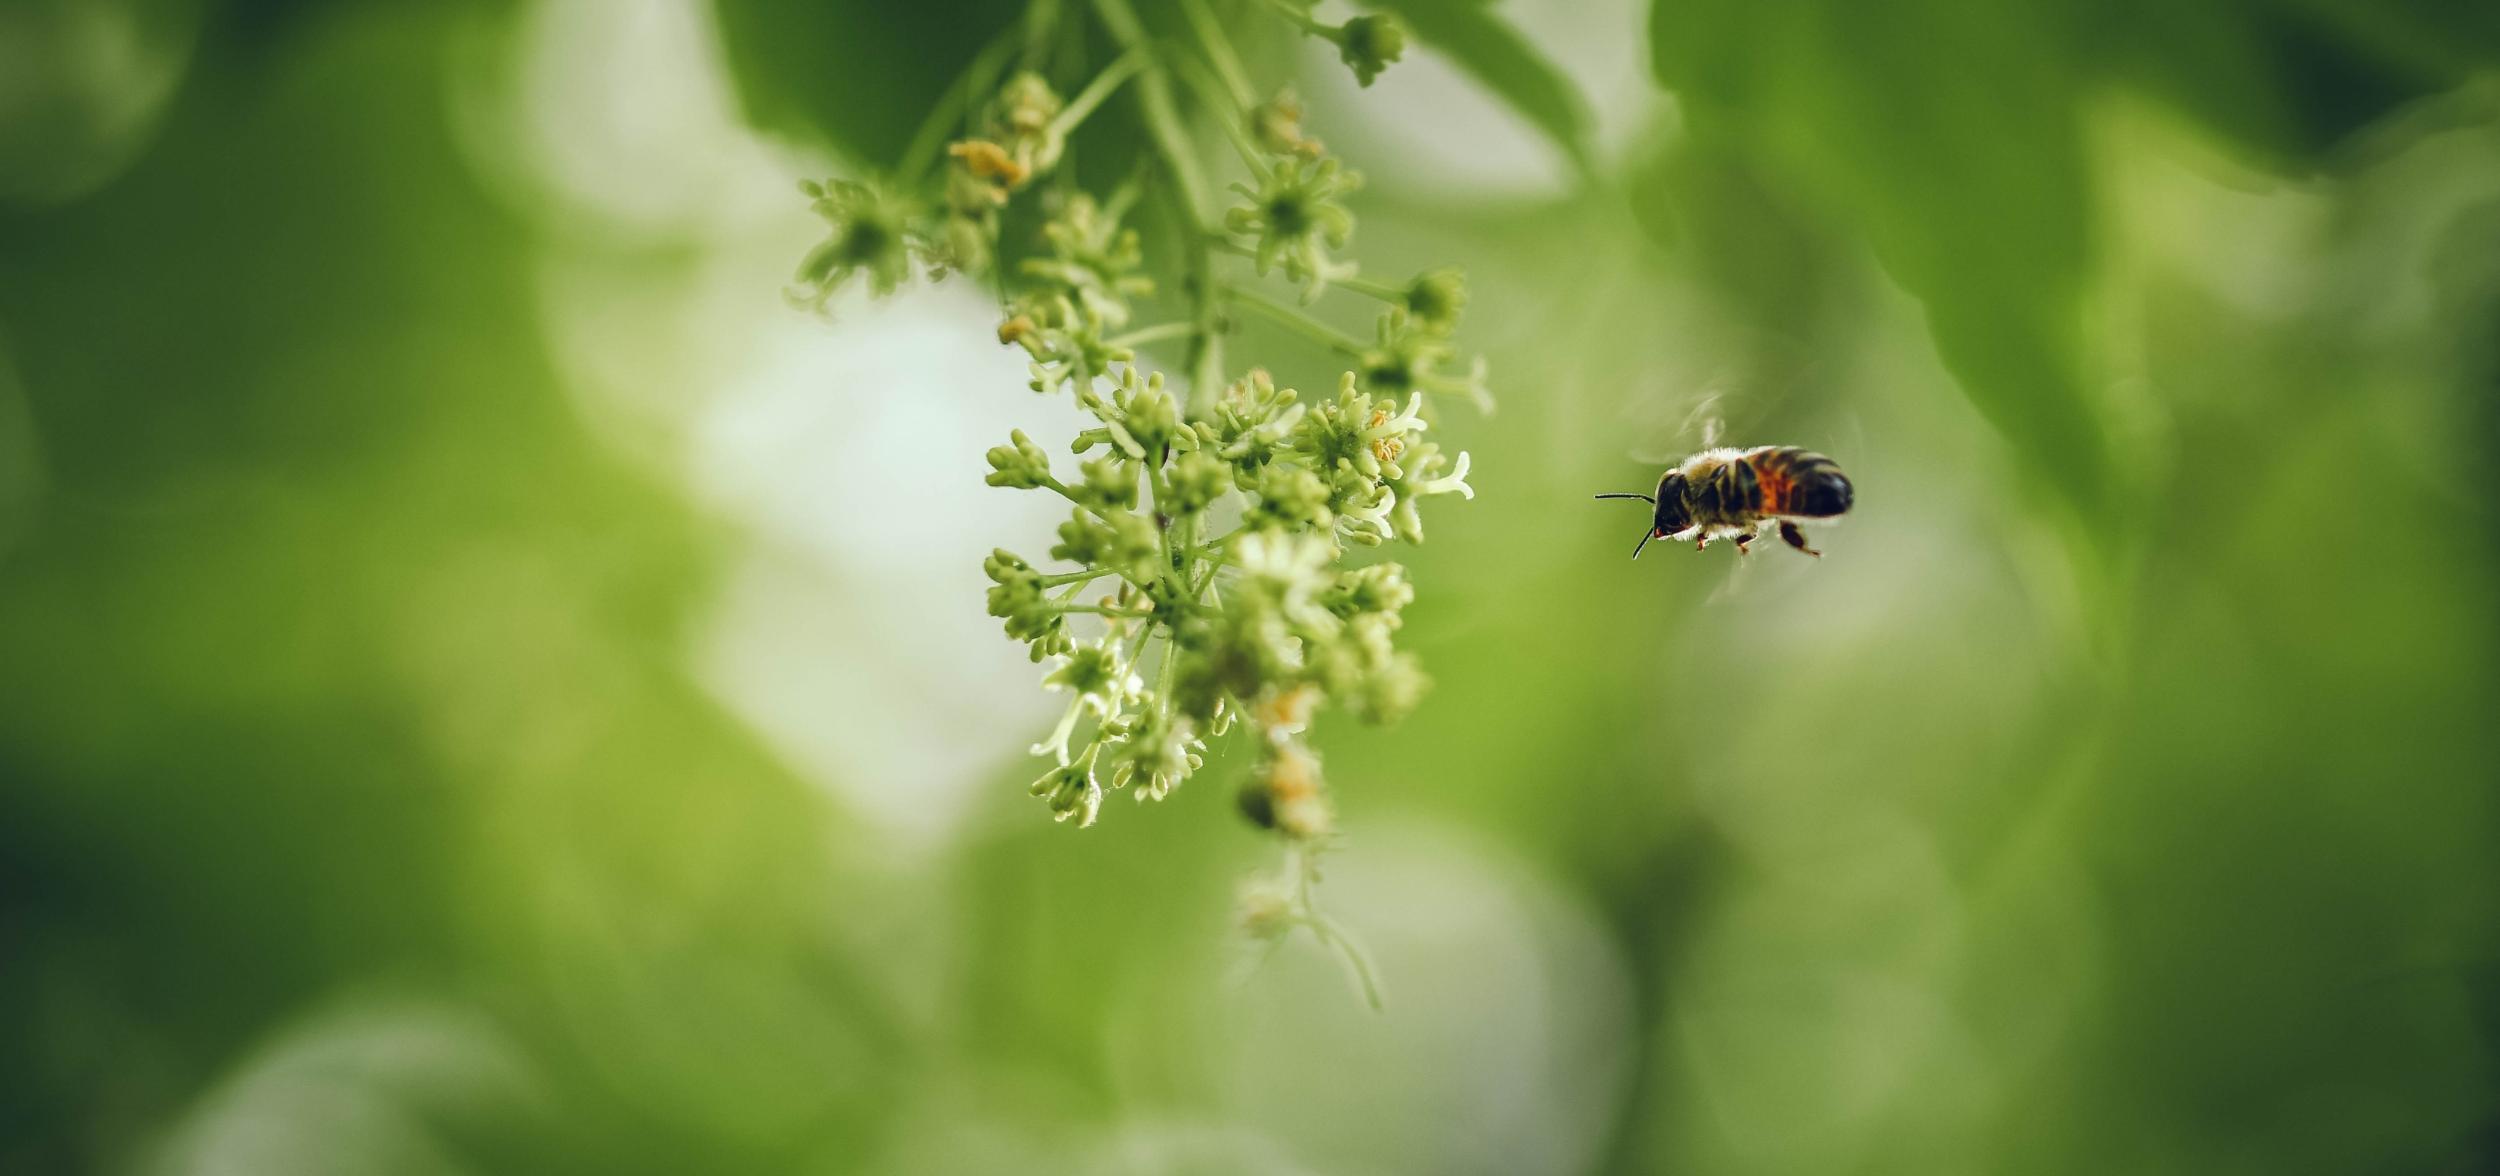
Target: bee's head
[
  {"x": 1672, "y": 514},
  {"x": 1668, "y": 513}
]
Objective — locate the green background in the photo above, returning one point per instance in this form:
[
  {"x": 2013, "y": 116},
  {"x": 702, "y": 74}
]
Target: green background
[{"x": 484, "y": 686}]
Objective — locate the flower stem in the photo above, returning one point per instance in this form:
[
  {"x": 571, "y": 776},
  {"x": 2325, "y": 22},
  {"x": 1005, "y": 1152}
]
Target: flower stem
[
  {"x": 1077, "y": 577},
  {"x": 1213, "y": 566},
  {"x": 1163, "y": 118},
  {"x": 1061, "y": 488},
  {"x": 952, "y": 107},
  {"x": 1163, "y": 122},
  {"x": 1219, "y": 52},
  {"x": 1100, "y": 88},
  {"x": 1356, "y": 961},
  {"x": 1296, "y": 321},
  {"x": 1154, "y": 334},
  {"x": 1206, "y": 349},
  {"x": 1226, "y": 113},
  {"x": 1393, "y": 295},
  {"x": 1039, "y": 20},
  {"x": 1104, "y": 610},
  {"x": 1361, "y": 285},
  {"x": 1300, "y": 19}
]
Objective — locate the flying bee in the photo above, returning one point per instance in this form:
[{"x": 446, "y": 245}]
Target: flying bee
[{"x": 1737, "y": 494}]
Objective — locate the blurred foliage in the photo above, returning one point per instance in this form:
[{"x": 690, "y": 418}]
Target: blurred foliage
[
  {"x": 1953, "y": 138},
  {"x": 1482, "y": 42},
  {"x": 858, "y": 77},
  {"x": 363, "y": 805}
]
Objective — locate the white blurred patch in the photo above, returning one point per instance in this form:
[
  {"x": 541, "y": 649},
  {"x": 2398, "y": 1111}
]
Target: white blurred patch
[
  {"x": 851, "y": 632},
  {"x": 1427, "y": 124},
  {"x": 1503, "y": 1047},
  {"x": 625, "y": 112},
  {"x": 383, "y": 1088},
  {"x": 855, "y": 635}
]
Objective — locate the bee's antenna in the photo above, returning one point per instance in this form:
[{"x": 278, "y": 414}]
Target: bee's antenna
[
  {"x": 1642, "y": 497},
  {"x": 1646, "y": 536}
]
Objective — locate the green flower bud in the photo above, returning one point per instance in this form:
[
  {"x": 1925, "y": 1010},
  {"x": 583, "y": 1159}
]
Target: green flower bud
[
  {"x": 1018, "y": 599},
  {"x": 1122, "y": 542},
  {"x": 1287, "y": 496},
  {"x": 1297, "y": 219},
  {"x": 1110, "y": 482},
  {"x": 1095, "y": 674},
  {"x": 1070, "y": 791},
  {"x": 1156, "y": 754},
  {"x": 1276, "y": 126},
  {"x": 1435, "y": 298},
  {"x": 1197, "y": 481},
  {"x": 1023, "y": 119},
  {"x": 1369, "y": 43},
  {"x": 1285, "y": 793},
  {"x": 1406, "y": 358},
  {"x": 1093, "y": 262},
  {"x": 1068, "y": 344},
  {"x": 871, "y": 235},
  {"x": 1140, "y": 417},
  {"x": 1020, "y": 464},
  {"x": 1363, "y": 668},
  {"x": 1391, "y": 692},
  {"x": 1357, "y": 433},
  {"x": 1381, "y": 588},
  {"x": 1221, "y": 656},
  {"x": 1252, "y": 421}
]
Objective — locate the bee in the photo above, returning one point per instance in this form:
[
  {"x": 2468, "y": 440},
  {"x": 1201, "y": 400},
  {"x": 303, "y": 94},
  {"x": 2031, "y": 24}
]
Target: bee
[{"x": 1738, "y": 494}]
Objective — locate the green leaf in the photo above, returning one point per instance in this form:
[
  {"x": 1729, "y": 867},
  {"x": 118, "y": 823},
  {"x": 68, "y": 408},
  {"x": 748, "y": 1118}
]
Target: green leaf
[
  {"x": 859, "y": 77},
  {"x": 1493, "y": 52},
  {"x": 1947, "y": 136}
]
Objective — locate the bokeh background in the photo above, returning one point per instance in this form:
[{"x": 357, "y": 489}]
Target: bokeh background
[{"x": 486, "y": 686}]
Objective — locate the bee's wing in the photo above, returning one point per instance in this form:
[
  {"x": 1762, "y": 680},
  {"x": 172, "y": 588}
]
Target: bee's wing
[
  {"x": 1672, "y": 426},
  {"x": 1853, "y": 428}
]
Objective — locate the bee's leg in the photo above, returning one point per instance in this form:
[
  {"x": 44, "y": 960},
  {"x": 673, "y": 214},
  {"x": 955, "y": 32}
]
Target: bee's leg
[
  {"x": 1796, "y": 538},
  {"x": 1744, "y": 543}
]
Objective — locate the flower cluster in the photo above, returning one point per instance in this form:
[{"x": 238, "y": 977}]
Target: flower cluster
[
  {"x": 1077, "y": 298},
  {"x": 873, "y": 234},
  {"x": 1257, "y": 624},
  {"x": 1297, "y": 218},
  {"x": 1023, "y": 139},
  {"x": 1207, "y": 575}
]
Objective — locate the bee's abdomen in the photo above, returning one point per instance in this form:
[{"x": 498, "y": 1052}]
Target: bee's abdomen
[{"x": 1799, "y": 482}]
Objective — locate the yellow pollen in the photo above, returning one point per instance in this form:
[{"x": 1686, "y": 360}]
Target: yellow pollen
[
  {"x": 1385, "y": 448},
  {"x": 989, "y": 161}
]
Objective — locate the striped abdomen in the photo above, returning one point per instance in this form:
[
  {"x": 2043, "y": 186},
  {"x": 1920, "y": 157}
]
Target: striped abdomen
[{"x": 1786, "y": 480}]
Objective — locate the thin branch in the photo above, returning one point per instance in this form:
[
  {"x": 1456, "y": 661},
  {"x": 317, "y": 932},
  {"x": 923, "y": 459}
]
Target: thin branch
[
  {"x": 953, "y": 107},
  {"x": 1220, "y": 52},
  {"x": 1296, "y": 321},
  {"x": 1073, "y": 114}
]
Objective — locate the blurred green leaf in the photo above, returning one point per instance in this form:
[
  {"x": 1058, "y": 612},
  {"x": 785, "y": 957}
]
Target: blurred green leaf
[
  {"x": 1493, "y": 52},
  {"x": 1949, "y": 136},
  {"x": 859, "y": 77},
  {"x": 1946, "y": 134},
  {"x": 2287, "y": 81}
]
